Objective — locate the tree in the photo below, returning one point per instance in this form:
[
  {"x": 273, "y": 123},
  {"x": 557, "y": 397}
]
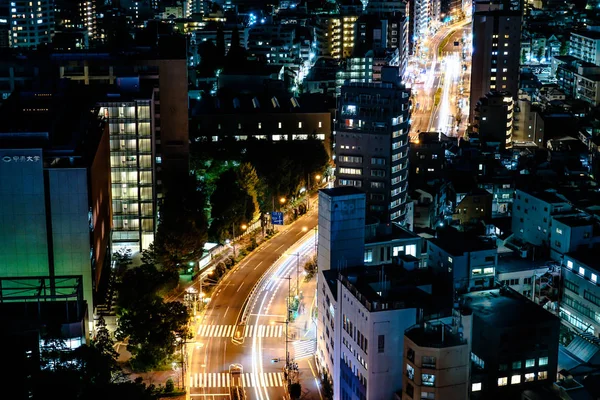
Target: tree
[
  {"x": 151, "y": 348},
  {"x": 541, "y": 52},
  {"x": 183, "y": 227},
  {"x": 231, "y": 206},
  {"x": 141, "y": 283},
  {"x": 564, "y": 48},
  {"x": 249, "y": 181},
  {"x": 295, "y": 390}
]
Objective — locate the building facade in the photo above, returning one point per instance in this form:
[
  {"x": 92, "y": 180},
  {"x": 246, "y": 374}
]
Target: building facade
[
  {"x": 371, "y": 143},
  {"x": 496, "y": 51}
]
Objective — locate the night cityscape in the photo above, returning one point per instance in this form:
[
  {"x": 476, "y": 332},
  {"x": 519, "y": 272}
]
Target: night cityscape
[{"x": 300, "y": 199}]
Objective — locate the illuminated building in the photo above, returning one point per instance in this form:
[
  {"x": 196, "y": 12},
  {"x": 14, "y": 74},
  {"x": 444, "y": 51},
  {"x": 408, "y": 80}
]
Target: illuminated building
[
  {"x": 55, "y": 193},
  {"x": 335, "y": 35},
  {"x": 31, "y": 22},
  {"x": 493, "y": 119},
  {"x": 371, "y": 143},
  {"x": 496, "y": 51}
]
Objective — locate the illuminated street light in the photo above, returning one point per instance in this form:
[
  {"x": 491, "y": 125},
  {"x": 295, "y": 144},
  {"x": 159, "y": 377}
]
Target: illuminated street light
[{"x": 282, "y": 200}]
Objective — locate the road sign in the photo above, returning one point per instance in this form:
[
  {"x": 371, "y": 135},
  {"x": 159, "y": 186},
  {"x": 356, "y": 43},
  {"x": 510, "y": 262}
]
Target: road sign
[{"x": 277, "y": 218}]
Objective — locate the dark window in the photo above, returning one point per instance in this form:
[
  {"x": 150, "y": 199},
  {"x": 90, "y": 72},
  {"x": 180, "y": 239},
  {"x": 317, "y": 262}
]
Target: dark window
[
  {"x": 380, "y": 343},
  {"x": 410, "y": 390}
]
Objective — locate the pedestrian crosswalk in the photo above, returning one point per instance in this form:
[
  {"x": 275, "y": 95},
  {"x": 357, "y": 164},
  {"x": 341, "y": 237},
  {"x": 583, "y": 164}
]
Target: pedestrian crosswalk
[
  {"x": 264, "y": 331},
  {"x": 224, "y": 379},
  {"x": 304, "y": 349}
]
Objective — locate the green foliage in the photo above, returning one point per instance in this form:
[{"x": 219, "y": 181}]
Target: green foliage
[
  {"x": 541, "y": 52},
  {"x": 564, "y": 48},
  {"x": 295, "y": 390},
  {"x": 153, "y": 329},
  {"x": 182, "y": 230},
  {"x": 311, "y": 269},
  {"x": 232, "y": 206},
  {"x": 142, "y": 283},
  {"x": 326, "y": 386},
  {"x": 90, "y": 372},
  {"x": 169, "y": 386}
]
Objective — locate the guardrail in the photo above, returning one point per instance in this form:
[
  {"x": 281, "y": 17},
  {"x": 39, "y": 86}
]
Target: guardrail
[{"x": 243, "y": 314}]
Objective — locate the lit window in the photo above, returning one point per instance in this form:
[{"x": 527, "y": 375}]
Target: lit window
[
  {"x": 542, "y": 375},
  {"x": 503, "y": 381},
  {"x": 476, "y": 387},
  {"x": 450, "y": 260},
  {"x": 516, "y": 365},
  {"x": 570, "y": 264},
  {"x": 559, "y": 231},
  {"x": 320, "y": 124},
  {"x": 492, "y": 86},
  {"x": 506, "y": 53},
  {"x": 489, "y": 270},
  {"x": 428, "y": 379},
  {"x": 410, "y": 372},
  {"x": 543, "y": 361},
  {"x": 530, "y": 363},
  {"x": 476, "y": 271},
  {"x": 299, "y": 124},
  {"x": 504, "y": 69},
  {"x": 368, "y": 255},
  {"x": 581, "y": 271},
  {"x": 259, "y": 125},
  {"x": 279, "y": 125},
  {"x": 594, "y": 278},
  {"x": 515, "y": 379},
  {"x": 529, "y": 377},
  {"x": 398, "y": 250}
]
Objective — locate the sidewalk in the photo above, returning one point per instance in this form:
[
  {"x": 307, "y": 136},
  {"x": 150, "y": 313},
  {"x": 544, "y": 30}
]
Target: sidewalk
[{"x": 303, "y": 336}]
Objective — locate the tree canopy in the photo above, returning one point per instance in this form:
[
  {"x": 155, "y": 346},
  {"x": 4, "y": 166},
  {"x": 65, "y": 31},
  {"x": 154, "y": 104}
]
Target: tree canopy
[{"x": 183, "y": 225}]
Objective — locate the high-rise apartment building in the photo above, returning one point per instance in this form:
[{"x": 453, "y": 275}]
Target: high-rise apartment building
[
  {"x": 31, "y": 22},
  {"x": 371, "y": 143},
  {"x": 496, "y": 51},
  {"x": 335, "y": 35}
]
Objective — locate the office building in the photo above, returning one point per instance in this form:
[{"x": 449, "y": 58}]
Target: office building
[
  {"x": 130, "y": 118},
  {"x": 496, "y": 51},
  {"x": 580, "y": 299},
  {"x": 493, "y": 120},
  {"x": 509, "y": 351},
  {"x": 371, "y": 143},
  {"x": 55, "y": 220},
  {"x": 167, "y": 71},
  {"x": 272, "y": 117},
  {"x": 31, "y": 23}
]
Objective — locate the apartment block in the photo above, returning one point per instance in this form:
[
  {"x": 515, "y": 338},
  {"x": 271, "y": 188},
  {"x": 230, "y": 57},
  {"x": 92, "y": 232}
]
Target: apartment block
[
  {"x": 580, "y": 300},
  {"x": 371, "y": 143},
  {"x": 585, "y": 45}
]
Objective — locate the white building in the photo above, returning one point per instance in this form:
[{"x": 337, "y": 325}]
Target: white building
[
  {"x": 585, "y": 45},
  {"x": 362, "y": 340}
]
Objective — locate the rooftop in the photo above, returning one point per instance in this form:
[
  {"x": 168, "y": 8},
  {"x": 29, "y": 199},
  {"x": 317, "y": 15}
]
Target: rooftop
[
  {"x": 588, "y": 34},
  {"x": 496, "y": 308},
  {"x": 382, "y": 288},
  {"x": 430, "y": 334},
  {"x": 458, "y": 243},
  {"x": 576, "y": 221},
  {"x": 589, "y": 257},
  {"x": 228, "y": 103},
  {"x": 513, "y": 263}
]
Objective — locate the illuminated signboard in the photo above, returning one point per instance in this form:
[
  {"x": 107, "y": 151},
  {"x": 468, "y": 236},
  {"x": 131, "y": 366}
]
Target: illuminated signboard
[{"x": 20, "y": 159}]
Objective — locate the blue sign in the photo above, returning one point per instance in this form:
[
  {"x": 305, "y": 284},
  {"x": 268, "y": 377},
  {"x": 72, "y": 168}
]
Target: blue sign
[{"x": 277, "y": 218}]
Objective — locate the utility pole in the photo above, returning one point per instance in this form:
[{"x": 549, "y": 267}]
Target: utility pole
[
  {"x": 233, "y": 238},
  {"x": 287, "y": 322}
]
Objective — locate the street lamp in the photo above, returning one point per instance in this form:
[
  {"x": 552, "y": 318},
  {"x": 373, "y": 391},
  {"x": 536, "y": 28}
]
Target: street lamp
[{"x": 244, "y": 227}]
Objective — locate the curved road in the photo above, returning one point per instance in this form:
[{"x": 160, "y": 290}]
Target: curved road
[{"x": 213, "y": 350}]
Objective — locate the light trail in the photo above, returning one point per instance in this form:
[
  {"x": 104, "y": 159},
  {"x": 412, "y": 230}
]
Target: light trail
[
  {"x": 283, "y": 270},
  {"x": 451, "y": 75}
]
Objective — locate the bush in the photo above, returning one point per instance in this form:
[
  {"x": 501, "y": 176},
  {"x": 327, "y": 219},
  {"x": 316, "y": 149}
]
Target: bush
[
  {"x": 169, "y": 386},
  {"x": 228, "y": 263},
  {"x": 295, "y": 390},
  {"x": 232, "y": 259}
]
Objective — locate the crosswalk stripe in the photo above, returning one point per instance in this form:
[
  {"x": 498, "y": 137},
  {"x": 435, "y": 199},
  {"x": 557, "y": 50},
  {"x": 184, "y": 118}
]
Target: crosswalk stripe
[
  {"x": 280, "y": 330},
  {"x": 224, "y": 380},
  {"x": 246, "y": 331}
]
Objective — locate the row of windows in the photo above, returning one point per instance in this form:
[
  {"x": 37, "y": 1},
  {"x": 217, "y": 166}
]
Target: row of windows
[{"x": 514, "y": 380}]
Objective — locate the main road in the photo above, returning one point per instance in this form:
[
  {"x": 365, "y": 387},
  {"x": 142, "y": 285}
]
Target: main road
[
  {"x": 221, "y": 342},
  {"x": 425, "y": 104}
]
